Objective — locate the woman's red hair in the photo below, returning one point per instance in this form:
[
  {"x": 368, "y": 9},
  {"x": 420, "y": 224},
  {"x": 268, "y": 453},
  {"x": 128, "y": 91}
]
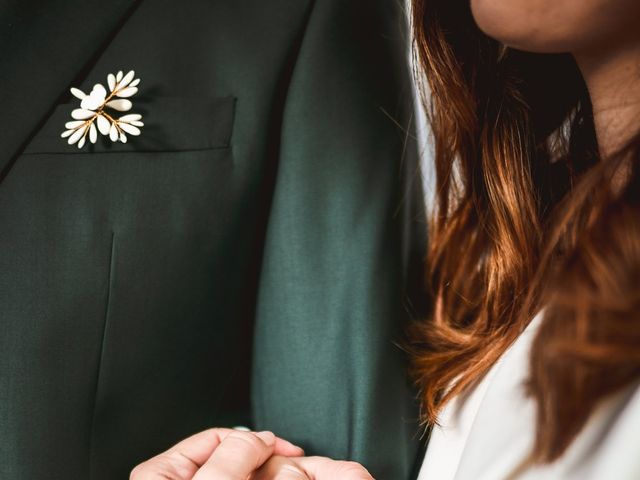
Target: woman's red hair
[{"x": 527, "y": 216}]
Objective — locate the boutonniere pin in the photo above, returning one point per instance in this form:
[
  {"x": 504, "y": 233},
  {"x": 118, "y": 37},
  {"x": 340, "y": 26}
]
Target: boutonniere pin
[{"x": 96, "y": 112}]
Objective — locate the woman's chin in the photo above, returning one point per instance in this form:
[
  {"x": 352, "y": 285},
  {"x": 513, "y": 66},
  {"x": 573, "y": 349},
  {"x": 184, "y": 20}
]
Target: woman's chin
[
  {"x": 555, "y": 26},
  {"x": 528, "y": 38}
]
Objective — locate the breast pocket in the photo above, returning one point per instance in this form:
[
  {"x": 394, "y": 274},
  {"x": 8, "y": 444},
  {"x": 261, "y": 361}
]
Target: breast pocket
[{"x": 171, "y": 124}]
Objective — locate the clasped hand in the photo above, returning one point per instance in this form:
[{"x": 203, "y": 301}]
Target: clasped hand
[{"x": 226, "y": 454}]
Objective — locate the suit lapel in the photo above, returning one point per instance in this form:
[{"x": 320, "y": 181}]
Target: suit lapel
[{"x": 46, "y": 49}]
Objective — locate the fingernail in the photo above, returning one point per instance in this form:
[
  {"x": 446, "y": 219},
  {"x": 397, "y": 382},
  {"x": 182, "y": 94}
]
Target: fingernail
[
  {"x": 293, "y": 445},
  {"x": 267, "y": 437},
  {"x": 241, "y": 428}
]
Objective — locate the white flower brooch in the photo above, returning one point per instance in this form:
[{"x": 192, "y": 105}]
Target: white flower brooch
[{"x": 93, "y": 111}]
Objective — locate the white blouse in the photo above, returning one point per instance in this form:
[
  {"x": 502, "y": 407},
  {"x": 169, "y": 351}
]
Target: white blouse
[{"x": 486, "y": 434}]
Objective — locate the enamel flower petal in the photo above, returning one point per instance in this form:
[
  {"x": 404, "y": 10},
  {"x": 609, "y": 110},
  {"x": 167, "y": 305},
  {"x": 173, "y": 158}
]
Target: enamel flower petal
[
  {"x": 113, "y": 133},
  {"x": 122, "y": 105},
  {"x": 103, "y": 124},
  {"x": 127, "y": 92},
  {"x": 76, "y": 92},
  {"x": 130, "y": 117},
  {"x": 99, "y": 90},
  {"x": 95, "y": 115},
  {"x": 130, "y": 129},
  {"x": 74, "y": 124},
  {"x": 93, "y": 133},
  {"x": 77, "y": 135},
  {"x": 126, "y": 80},
  {"x": 82, "y": 114},
  {"x": 133, "y": 119}
]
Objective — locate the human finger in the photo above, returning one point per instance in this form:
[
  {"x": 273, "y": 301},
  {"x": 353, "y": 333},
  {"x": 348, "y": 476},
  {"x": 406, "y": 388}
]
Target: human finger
[
  {"x": 238, "y": 455},
  {"x": 183, "y": 460},
  {"x": 323, "y": 468},
  {"x": 280, "y": 468}
]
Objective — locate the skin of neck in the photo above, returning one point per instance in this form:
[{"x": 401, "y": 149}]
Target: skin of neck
[{"x": 612, "y": 75}]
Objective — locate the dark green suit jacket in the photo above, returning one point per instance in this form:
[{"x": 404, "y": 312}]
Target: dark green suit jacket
[{"x": 243, "y": 261}]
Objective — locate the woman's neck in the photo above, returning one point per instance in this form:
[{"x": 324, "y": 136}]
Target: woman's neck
[{"x": 613, "y": 80}]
